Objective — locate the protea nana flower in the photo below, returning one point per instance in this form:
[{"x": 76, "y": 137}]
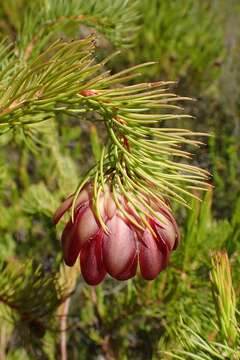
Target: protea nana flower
[{"x": 118, "y": 250}]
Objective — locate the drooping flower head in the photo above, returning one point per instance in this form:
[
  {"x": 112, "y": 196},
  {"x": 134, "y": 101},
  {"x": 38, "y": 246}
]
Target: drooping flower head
[
  {"x": 121, "y": 245},
  {"x": 120, "y": 220}
]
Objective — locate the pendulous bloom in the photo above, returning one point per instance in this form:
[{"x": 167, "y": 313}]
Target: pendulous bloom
[{"x": 120, "y": 249}]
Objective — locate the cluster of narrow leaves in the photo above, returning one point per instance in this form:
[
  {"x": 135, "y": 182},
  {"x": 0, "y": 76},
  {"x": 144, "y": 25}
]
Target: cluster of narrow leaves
[
  {"x": 142, "y": 159},
  {"x": 197, "y": 347},
  {"x": 35, "y": 23},
  {"x": 224, "y": 343},
  {"x": 29, "y": 297},
  {"x": 186, "y": 36}
]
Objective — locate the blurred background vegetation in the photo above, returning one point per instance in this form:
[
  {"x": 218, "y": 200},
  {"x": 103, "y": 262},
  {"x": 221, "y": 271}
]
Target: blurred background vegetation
[{"x": 182, "y": 314}]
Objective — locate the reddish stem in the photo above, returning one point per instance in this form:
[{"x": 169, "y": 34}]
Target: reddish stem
[{"x": 63, "y": 329}]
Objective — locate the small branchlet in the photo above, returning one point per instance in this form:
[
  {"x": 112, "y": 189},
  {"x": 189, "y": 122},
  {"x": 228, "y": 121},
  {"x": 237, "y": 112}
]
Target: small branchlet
[
  {"x": 224, "y": 298},
  {"x": 30, "y": 297}
]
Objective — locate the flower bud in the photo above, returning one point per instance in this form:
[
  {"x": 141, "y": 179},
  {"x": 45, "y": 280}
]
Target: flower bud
[
  {"x": 88, "y": 92},
  {"x": 119, "y": 250}
]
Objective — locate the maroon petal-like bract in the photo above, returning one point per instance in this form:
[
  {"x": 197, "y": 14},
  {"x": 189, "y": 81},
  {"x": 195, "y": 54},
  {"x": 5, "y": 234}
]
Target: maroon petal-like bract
[
  {"x": 62, "y": 209},
  {"x": 130, "y": 271},
  {"x": 119, "y": 247},
  {"x": 82, "y": 199},
  {"x": 153, "y": 257},
  {"x": 71, "y": 242},
  {"x": 91, "y": 262},
  {"x": 87, "y": 225},
  {"x": 170, "y": 228}
]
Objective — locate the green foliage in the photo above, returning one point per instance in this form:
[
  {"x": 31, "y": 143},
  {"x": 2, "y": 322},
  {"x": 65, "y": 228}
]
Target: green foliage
[
  {"x": 185, "y": 38},
  {"x": 197, "y": 347},
  {"x": 195, "y": 344},
  {"x": 35, "y": 22},
  {"x": 29, "y": 297}
]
